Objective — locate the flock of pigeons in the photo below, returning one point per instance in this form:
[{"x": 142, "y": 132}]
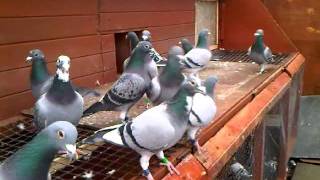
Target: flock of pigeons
[{"x": 183, "y": 103}]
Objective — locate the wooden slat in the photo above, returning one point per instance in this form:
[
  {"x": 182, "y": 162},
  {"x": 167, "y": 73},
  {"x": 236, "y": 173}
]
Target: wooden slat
[
  {"x": 21, "y": 8},
  {"x": 107, "y": 43},
  {"x": 88, "y": 81},
  {"x": 172, "y": 31},
  {"x": 163, "y": 46},
  {"x": 15, "y": 30},
  {"x": 13, "y": 56},
  {"x": 109, "y": 76},
  {"x": 109, "y": 60},
  {"x": 120, "y": 21},
  {"x": 145, "y": 5}
]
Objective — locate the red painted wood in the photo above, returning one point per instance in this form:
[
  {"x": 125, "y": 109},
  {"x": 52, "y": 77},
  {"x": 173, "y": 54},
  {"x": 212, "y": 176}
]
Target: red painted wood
[
  {"x": 109, "y": 61},
  {"x": 18, "y": 8},
  {"x": 107, "y": 43},
  {"x": 172, "y": 31},
  {"x": 13, "y": 56},
  {"x": 239, "y": 25},
  {"x": 109, "y": 76},
  {"x": 15, "y": 30},
  {"x": 123, "y": 21},
  {"x": 145, "y": 5},
  {"x": 14, "y": 81}
]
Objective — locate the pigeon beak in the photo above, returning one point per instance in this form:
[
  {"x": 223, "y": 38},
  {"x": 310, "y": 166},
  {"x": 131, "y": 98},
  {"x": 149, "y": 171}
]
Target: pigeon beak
[
  {"x": 28, "y": 59},
  {"x": 256, "y": 34},
  {"x": 180, "y": 42},
  {"x": 209, "y": 33},
  {"x": 72, "y": 152},
  {"x": 144, "y": 37}
]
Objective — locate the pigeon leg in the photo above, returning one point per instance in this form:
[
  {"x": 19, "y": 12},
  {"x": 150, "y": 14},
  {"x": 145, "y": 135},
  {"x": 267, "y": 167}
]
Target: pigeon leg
[
  {"x": 165, "y": 162},
  {"x": 192, "y": 131},
  {"x": 144, "y": 163},
  {"x": 262, "y": 68}
]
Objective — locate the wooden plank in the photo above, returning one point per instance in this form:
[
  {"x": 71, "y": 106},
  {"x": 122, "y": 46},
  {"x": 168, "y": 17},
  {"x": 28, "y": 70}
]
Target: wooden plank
[
  {"x": 107, "y": 43},
  {"x": 259, "y": 147},
  {"x": 13, "y": 56},
  {"x": 15, "y": 30},
  {"x": 21, "y": 8},
  {"x": 123, "y": 21},
  {"x": 89, "y": 81},
  {"x": 109, "y": 76},
  {"x": 163, "y": 46},
  {"x": 172, "y": 31},
  {"x": 14, "y": 81},
  {"x": 109, "y": 60},
  {"x": 12, "y": 105},
  {"x": 145, "y": 5}
]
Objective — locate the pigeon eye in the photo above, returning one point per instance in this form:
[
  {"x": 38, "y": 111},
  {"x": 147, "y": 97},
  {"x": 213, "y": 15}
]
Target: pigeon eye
[
  {"x": 60, "y": 134},
  {"x": 147, "y": 46},
  {"x": 36, "y": 55}
]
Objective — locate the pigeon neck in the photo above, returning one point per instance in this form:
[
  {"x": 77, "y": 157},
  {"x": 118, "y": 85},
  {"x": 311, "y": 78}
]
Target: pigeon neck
[
  {"x": 39, "y": 71},
  {"x": 61, "y": 92},
  {"x": 186, "y": 47},
  {"x": 202, "y": 42},
  {"x": 210, "y": 89},
  {"x": 136, "y": 60},
  {"x": 258, "y": 44},
  {"x": 33, "y": 160},
  {"x": 180, "y": 105},
  {"x": 171, "y": 74}
]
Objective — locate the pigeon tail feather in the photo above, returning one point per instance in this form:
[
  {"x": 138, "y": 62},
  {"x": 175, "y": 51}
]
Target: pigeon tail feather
[{"x": 96, "y": 107}]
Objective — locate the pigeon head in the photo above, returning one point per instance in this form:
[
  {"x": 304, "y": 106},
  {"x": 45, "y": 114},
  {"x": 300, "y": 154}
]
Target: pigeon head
[
  {"x": 186, "y": 45},
  {"x": 259, "y": 32},
  {"x": 190, "y": 88},
  {"x": 146, "y": 35},
  {"x": 63, "y": 135},
  {"x": 133, "y": 38},
  {"x": 35, "y": 55},
  {"x": 203, "y": 38},
  {"x": 174, "y": 57},
  {"x": 210, "y": 84},
  {"x": 144, "y": 46},
  {"x": 63, "y": 65}
]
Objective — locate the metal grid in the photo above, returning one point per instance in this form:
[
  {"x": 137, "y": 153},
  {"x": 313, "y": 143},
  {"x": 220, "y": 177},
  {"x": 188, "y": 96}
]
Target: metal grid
[
  {"x": 105, "y": 161},
  {"x": 241, "y": 56}
]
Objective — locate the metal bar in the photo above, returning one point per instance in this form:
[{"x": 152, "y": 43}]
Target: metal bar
[{"x": 259, "y": 147}]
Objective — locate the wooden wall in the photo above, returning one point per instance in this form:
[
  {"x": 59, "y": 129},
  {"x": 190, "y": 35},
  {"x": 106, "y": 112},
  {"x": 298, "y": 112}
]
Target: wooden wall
[
  {"x": 300, "y": 19},
  {"x": 83, "y": 30}
]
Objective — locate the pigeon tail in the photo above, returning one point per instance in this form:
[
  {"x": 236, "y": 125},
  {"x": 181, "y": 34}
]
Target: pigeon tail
[
  {"x": 86, "y": 91},
  {"x": 96, "y": 107}
]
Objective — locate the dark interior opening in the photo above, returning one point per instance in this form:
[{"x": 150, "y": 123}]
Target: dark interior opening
[{"x": 122, "y": 48}]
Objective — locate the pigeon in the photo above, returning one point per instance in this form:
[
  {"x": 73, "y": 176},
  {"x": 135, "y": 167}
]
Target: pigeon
[
  {"x": 197, "y": 58},
  {"x": 131, "y": 85},
  {"x": 134, "y": 40},
  {"x": 155, "y": 130},
  {"x": 168, "y": 82},
  {"x": 186, "y": 45},
  {"x": 61, "y": 101},
  {"x": 33, "y": 160},
  {"x": 40, "y": 78},
  {"x": 203, "y": 110},
  {"x": 259, "y": 52},
  {"x": 146, "y": 36}
]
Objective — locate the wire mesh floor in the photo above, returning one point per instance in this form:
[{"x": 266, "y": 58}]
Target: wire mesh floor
[
  {"x": 241, "y": 56},
  {"x": 101, "y": 161}
]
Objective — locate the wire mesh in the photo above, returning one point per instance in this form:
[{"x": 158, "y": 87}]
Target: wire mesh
[
  {"x": 241, "y": 56},
  {"x": 100, "y": 161}
]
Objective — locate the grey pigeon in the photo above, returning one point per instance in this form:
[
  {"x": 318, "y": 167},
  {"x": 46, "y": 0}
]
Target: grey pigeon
[
  {"x": 186, "y": 45},
  {"x": 168, "y": 82},
  {"x": 203, "y": 110},
  {"x": 61, "y": 101},
  {"x": 133, "y": 40},
  {"x": 146, "y": 36},
  {"x": 40, "y": 78},
  {"x": 259, "y": 52},
  {"x": 33, "y": 160},
  {"x": 155, "y": 130},
  {"x": 130, "y": 86},
  {"x": 197, "y": 58}
]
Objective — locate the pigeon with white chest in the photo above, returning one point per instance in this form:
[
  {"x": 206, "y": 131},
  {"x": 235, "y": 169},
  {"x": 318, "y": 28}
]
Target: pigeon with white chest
[
  {"x": 40, "y": 78},
  {"x": 33, "y": 160},
  {"x": 259, "y": 52},
  {"x": 155, "y": 130},
  {"x": 131, "y": 85},
  {"x": 61, "y": 101}
]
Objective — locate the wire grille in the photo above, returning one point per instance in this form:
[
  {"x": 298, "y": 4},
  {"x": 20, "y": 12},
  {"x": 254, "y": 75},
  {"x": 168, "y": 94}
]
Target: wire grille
[
  {"x": 105, "y": 161},
  {"x": 241, "y": 56}
]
